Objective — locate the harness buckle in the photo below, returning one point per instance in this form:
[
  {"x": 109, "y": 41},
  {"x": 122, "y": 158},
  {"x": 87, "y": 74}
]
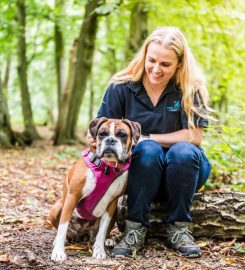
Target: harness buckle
[{"x": 94, "y": 159}]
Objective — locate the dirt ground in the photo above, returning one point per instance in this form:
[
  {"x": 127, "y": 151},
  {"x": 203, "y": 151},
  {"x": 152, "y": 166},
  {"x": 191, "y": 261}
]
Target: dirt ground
[{"x": 30, "y": 182}]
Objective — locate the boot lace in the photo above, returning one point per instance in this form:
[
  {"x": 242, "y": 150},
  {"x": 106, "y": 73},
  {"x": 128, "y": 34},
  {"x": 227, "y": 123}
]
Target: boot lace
[
  {"x": 134, "y": 236},
  {"x": 182, "y": 235}
]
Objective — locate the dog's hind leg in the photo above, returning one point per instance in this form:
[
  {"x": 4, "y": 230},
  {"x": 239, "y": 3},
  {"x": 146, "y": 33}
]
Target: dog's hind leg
[
  {"x": 55, "y": 213},
  {"x": 58, "y": 253}
]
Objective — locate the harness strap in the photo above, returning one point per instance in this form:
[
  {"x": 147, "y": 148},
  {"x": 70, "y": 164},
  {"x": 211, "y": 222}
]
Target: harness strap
[
  {"x": 104, "y": 176},
  {"x": 94, "y": 159}
]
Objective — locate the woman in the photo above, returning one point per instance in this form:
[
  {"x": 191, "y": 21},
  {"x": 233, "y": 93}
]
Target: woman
[{"x": 163, "y": 89}]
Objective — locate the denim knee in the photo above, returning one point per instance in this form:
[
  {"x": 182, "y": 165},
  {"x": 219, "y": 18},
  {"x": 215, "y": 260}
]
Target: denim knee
[
  {"x": 147, "y": 153},
  {"x": 183, "y": 153}
]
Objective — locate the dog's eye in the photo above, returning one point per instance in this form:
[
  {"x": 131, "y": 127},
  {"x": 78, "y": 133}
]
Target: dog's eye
[
  {"x": 103, "y": 134},
  {"x": 121, "y": 134}
]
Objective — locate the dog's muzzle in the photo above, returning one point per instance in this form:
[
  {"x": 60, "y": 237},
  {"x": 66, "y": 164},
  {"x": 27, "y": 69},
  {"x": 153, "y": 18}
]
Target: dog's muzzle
[{"x": 111, "y": 148}]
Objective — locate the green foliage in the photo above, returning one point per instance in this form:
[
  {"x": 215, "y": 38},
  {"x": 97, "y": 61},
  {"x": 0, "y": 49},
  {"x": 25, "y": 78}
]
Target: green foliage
[
  {"x": 7, "y": 28},
  {"x": 106, "y": 8},
  {"x": 238, "y": 247},
  {"x": 227, "y": 156},
  {"x": 134, "y": 254}
]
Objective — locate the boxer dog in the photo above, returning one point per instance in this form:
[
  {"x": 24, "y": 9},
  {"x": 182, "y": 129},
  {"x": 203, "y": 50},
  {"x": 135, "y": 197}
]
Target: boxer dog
[{"x": 94, "y": 183}]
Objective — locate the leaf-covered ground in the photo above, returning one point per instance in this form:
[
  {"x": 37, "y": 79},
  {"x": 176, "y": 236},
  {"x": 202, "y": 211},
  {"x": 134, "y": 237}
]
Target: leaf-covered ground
[{"x": 30, "y": 182}]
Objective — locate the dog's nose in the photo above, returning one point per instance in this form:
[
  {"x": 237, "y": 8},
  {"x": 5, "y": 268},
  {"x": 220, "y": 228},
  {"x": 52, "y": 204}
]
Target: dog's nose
[{"x": 110, "y": 141}]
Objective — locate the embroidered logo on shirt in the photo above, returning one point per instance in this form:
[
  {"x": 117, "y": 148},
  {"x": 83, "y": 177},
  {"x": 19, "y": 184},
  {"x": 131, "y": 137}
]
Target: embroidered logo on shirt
[{"x": 174, "y": 108}]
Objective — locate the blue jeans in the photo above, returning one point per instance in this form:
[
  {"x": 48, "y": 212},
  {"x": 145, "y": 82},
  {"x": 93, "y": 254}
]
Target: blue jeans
[{"x": 173, "y": 174}]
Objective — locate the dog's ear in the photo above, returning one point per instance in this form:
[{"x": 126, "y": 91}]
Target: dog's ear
[
  {"x": 95, "y": 124},
  {"x": 135, "y": 129}
]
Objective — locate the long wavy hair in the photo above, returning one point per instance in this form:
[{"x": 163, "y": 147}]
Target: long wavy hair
[{"x": 188, "y": 77}]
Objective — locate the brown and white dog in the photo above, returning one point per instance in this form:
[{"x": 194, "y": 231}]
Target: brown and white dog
[{"x": 114, "y": 141}]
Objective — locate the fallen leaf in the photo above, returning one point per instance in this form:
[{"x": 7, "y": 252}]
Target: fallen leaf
[
  {"x": 76, "y": 247},
  {"x": 203, "y": 244},
  {"x": 216, "y": 248},
  {"x": 229, "y": 261},
  {"x": 4, "y": 258},
  {"x": 228, "y": 244},
  {"x": 119, "y": 267}
]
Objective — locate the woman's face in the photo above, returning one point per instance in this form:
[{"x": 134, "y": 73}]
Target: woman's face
[{"x": 160, "y": 65}]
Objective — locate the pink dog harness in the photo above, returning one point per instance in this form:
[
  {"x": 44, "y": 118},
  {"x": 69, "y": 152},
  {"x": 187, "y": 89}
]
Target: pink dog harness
[{"x": 104, "y": 176}]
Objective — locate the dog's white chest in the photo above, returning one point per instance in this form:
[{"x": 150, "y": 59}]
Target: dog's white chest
[
  {"x": 113, "y": 191},
  {"x": 89, "y": 184}
]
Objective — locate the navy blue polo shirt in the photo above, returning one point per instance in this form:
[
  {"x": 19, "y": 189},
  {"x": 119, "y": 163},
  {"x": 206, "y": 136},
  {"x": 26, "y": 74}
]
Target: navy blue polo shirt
[{"x": 130, "y": 101}]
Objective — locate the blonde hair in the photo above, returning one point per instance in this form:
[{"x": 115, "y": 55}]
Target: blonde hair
[{"x": 188, "y": 76}]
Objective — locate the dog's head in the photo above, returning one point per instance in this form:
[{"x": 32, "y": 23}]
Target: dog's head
[{"x": 114, "y": 138}]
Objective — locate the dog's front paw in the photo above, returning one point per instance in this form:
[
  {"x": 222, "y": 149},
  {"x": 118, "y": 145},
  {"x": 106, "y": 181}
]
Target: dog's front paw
[
  {"x": 58, "y": 255},
  {"x": 99, "y": 253}
]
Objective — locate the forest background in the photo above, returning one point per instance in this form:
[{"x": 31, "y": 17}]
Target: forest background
[{"x": 57, "y": 57}]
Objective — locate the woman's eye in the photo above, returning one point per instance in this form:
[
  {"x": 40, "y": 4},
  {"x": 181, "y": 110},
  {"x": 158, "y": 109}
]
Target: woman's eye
[
  {"x": 166, "y": 64},
  {"x": 151, "y": 60}
]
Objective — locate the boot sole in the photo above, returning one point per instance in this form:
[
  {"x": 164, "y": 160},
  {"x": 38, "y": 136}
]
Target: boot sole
[
  {"x": 120, "y": 256},
  {"x": 194, "y": 255},
  {"x": 187, "y": 255}
]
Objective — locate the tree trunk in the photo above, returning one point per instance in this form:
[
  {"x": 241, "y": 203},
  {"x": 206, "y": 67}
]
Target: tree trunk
[
  {"x": 6, "y": 74},
  {"x": 8, "y": 137},
  {"x": 4, "y": 87},
  {"x": 30, "y": 129},
  {"x": 59, "y": 51},
  {"x": 138, "y": 27},
  {"x": 215, "y": 214},
  {"x": 6, "y": 134},
  {"x": 86, "y": 43},
  {"x": 59, "y": 136},
  {"x": 85, "y": 52}
]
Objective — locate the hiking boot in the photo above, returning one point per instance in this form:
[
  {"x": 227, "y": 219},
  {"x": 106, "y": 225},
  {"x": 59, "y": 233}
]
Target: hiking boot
[
  {"x": 180, "y": 239},
  {"x": 133, "y": 239}
]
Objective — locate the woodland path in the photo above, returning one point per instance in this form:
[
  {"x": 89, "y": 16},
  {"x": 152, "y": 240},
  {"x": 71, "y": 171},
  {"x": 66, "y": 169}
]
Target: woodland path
[{"x": 30, "y": 182}]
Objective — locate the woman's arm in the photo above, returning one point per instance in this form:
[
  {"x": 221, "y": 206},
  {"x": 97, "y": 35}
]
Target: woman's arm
[{"x": 194, "y": 136}]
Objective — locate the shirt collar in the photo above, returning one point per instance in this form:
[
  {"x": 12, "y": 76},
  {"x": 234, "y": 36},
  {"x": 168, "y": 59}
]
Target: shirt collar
[{"x": 137, "y": 86}]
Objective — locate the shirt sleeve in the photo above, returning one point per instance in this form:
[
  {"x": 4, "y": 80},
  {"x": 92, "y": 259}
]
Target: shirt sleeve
[
  {"x": 198, "y": 121},
  {"x": 112, "y": 105}
]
